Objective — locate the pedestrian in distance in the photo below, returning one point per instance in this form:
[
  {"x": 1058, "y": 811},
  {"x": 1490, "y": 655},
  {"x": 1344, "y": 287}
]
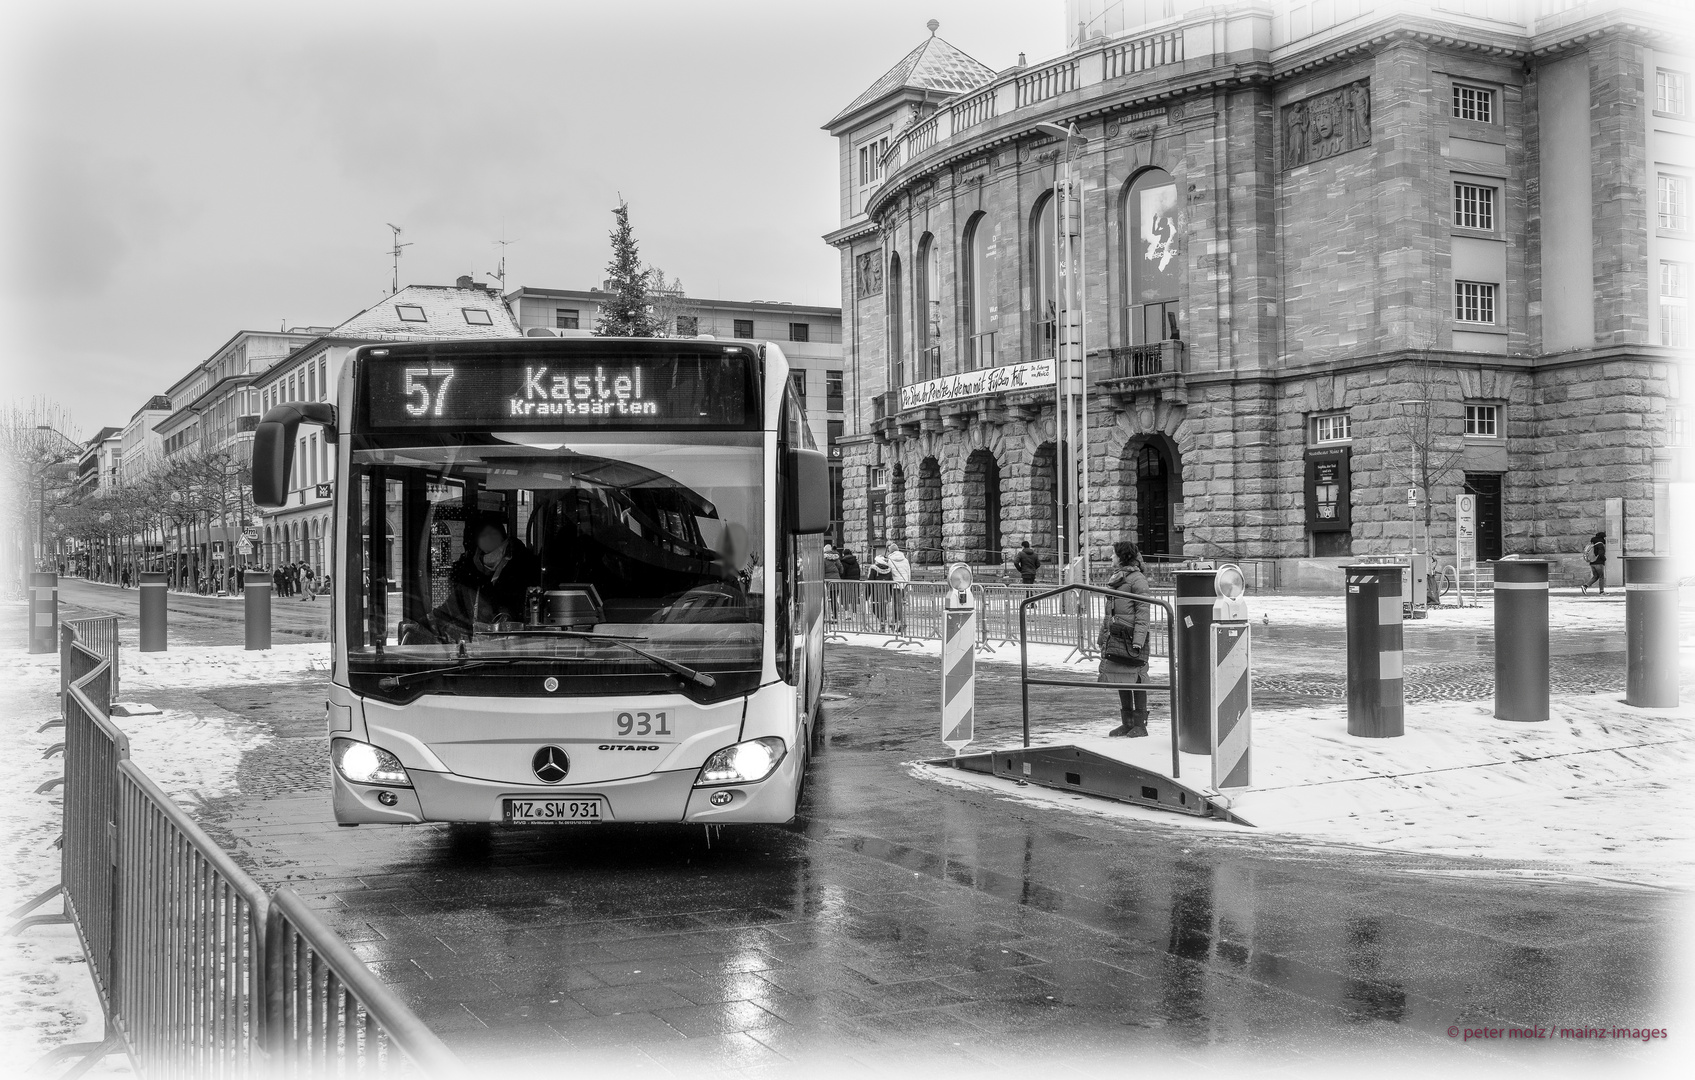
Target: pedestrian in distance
[
  {"x": 1595, "y": 554},
  {"x": 881, "y": 578},
  {"x": 852, "y": 594},
  {"x": 1027, "y": 562},
  {"x": 900, "y": 569},
  {"x": 1123, "y": 640},
  {"x": 279, "y": 584},
  {"x": 309, "y": 580},
  {"x": 832, "y": 572}
]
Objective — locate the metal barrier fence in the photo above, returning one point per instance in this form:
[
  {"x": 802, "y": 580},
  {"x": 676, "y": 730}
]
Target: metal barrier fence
[
  {"x": 99, "y": 635},
  {"x": 324, "y": 1006},
  {"x": 177, "y": 935},
  {"x": 914, "y": 613}
]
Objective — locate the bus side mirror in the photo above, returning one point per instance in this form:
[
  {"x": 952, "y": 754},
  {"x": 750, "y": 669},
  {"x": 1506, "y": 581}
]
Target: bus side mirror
[
  {"x": 809, "y": 492},
  {"x": 273, "y": 447}
]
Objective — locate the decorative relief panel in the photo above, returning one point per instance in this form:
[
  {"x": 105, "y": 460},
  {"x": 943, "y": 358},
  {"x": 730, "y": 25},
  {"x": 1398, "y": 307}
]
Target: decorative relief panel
[
  {"x": 868, "y": 273},
  {"x": 1327, "y": 124}
]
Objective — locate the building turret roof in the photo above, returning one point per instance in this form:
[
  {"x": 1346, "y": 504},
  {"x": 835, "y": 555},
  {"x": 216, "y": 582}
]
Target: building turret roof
[{"x": 933, "y": 65}]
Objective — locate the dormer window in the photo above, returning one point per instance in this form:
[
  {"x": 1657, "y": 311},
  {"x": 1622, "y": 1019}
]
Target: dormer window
[
  {"x": 477, "y": 316},
  {"x": 410, "y": 313}
]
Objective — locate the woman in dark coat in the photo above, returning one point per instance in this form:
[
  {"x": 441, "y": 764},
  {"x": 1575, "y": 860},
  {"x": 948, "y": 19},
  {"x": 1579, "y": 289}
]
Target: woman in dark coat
[{"x": 1123, "y": 640}]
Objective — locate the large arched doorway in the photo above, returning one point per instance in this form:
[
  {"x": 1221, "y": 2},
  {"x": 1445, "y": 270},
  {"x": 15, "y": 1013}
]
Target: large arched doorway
[
  {"x": 981, "y": 538},
  {"x": 1044, "y": 503},
  {"x": 926, "y": 532},
  {"x": 1154, "y": 465}
]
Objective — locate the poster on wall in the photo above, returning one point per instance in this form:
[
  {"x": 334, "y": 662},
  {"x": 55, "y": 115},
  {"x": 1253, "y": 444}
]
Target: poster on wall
[
  {"x": 1157, "y": 233},
  {"x": 1328, "y": 490}
]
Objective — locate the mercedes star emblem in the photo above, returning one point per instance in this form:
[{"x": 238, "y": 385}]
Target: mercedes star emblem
[
  {"x": 550, "y": 765},
  {"x": 550, "y": 684}
]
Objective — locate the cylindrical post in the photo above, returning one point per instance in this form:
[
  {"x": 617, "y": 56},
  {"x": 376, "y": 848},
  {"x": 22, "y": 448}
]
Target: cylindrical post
[
  {"x": 1192, "y": 711},
  {"x": 152, "y": 612},
  {"x": 256, "y": 598},
  {"x": 1521, "y": 639},
  {"x": 1650, "y": 631},
  {"x": 1376, "y": 702},
  {"x": 43, "y": 612}
]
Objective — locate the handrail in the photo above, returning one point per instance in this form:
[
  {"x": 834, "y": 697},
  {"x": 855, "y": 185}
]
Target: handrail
[
  {"x": 316, "y": 989},
  {"x": 1170, "y": 685}
]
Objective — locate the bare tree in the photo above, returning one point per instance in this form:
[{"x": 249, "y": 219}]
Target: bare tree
[
  {"x": 665, "y": 301},
  {"x": 1424, "y": 447},
  {"x": 31, "y": 448}
]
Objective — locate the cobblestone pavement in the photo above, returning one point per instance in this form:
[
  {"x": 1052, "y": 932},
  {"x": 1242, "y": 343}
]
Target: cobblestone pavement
[
  {"x": 1465, "y": 680},
  {"x": 192, "y": 619},
  {"x": 899, "y": 922}
]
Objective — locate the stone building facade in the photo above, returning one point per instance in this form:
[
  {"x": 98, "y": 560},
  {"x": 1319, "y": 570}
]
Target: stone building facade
[{"x": 1340, "y": 264}]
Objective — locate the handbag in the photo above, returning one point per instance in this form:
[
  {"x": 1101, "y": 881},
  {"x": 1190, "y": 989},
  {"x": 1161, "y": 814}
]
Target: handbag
[{"x": 1117, "y": 644}]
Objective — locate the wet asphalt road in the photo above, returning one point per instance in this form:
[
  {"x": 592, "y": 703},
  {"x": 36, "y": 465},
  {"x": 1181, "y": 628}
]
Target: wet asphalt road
[{"x": 900, "y": 921}]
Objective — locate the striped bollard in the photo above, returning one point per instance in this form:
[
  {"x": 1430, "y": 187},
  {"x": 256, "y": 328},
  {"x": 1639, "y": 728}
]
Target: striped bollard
[
  {"x": 153, "y": 603},
  {"x": 1232, "y": 705},
  {"x": 959, "y": 662},
  {"x": 43, "y": 612},
  {"x": 1376, "y": 701}
]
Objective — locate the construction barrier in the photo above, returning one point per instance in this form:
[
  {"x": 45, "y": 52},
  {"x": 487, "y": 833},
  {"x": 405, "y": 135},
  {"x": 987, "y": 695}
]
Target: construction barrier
[
  {"x": 178, "y": 938},
  {"x": 1231, "y": 704},
  {"x": 959, "y": 669},
  {"x": 914, "y": 613}
]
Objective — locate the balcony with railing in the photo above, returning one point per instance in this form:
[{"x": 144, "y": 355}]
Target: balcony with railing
[
  {"x": 1119, "y": 60},
  {"x": 1152, "y": 366}
]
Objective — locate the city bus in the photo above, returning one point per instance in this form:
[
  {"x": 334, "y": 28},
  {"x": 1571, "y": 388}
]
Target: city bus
[{"x": 576, "y": 580}]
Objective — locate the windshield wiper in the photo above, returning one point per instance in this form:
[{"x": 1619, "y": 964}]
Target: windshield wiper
[
  {"x": 394, "y": 682},
  {"x": 689, "y": 673}
]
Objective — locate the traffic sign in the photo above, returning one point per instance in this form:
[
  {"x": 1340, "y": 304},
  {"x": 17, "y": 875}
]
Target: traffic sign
[{"x": 1465, "y": 531}]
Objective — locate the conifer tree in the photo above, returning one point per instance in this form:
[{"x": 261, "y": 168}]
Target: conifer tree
[{"x": 628, "y": 312}]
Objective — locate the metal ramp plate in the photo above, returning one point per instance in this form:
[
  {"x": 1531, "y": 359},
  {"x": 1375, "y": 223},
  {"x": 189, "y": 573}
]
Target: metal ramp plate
[{"x": 1072, "y": 768}]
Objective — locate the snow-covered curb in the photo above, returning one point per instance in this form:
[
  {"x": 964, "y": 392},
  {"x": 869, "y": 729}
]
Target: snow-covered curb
[{"x": 1597, "y": 789}]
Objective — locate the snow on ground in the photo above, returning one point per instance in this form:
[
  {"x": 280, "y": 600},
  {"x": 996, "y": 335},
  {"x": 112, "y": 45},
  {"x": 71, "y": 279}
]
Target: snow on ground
[
  {"x": 217, "y": 665},
  {"x": 1048, "y": 657},
  {"x": 1567, "y": 610},
  {"x": 1597, "y": 790}
]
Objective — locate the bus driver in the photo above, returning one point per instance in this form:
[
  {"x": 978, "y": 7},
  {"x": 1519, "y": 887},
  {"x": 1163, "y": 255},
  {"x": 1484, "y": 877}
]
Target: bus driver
[{"x": 489, "y": 581}]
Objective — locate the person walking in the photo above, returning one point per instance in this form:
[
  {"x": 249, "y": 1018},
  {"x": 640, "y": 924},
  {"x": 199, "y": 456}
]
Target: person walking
[
  {"x": 1027, "y": 562},
  {"x": 900, "y": 570},
  {"x": 1595, "y": 554},
  {"x": 309, "y": 581},
  {"x": 881, "y": 578},
  {"x": 1123, "y": 640},
  {"x": 853, "y": 595},
  {"x": 832, "y": 572}
]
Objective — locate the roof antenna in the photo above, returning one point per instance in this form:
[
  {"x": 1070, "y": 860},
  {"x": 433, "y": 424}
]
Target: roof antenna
[
  {"x": 933, "y": 26},
  {"x": 500, "y": 274},
  {"x": 395, "y": 251}
]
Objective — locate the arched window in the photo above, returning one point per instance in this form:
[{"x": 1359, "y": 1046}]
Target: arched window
[
  {"x": 1151, "y": 252},
  {"x": 897, "y": 347},
  {"x": 976, "y": 288},
  {"x": 928, "y": 286},
  {"x": 1044, "y": 288}
]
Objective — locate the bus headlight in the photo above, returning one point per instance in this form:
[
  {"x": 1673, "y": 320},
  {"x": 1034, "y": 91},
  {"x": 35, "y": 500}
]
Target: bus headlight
[
  {"x": 363, "y": 763},
  {"x": 744, "y": 763}
]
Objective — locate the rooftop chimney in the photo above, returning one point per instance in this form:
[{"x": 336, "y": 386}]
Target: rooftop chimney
[{"x": 464, "y": 281}]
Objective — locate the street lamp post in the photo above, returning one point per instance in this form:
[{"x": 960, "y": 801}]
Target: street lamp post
[{"x": 1070, "y": 426}]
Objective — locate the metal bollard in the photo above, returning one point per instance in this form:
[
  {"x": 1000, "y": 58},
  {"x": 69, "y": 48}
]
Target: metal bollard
[
  {"x": 1376, "y": 699},
  {"x": 1650, "y": 631},
  {"x": 256, "y": 600},
  {"x": 44, "y": 612},
  {"x": 959, "y": 660},
  {"x": 153, "y": 593},
  {"x": 1521, "y": 640},
  {"x": 1192, "y": 712}
]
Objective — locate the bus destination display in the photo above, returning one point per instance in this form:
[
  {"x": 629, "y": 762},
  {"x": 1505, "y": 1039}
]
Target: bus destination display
[{"x": 504, "y": 392}]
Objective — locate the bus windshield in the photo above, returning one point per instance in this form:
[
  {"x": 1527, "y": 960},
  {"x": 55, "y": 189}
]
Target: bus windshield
[{"x": 539, "y": 548}]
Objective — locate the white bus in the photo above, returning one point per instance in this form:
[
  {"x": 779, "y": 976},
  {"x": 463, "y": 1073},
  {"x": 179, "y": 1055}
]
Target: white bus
[{"x": 576, "y": 580}]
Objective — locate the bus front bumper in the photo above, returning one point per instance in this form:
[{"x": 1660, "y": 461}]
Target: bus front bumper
[{"x": 668, "y": 797}]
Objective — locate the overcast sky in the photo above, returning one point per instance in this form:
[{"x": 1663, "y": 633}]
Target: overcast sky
[{"x": 175, "y": 173}]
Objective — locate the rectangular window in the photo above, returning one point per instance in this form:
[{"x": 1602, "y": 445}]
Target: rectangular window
[
  {"x": 1474, "y": 302},
  {"x": 1668, "y": 92},
  {"x": 1474, "y": 207},
  {"x": 1474, "y": 103},
  {"x": 1331, "y": 427},
  {"x": 1674, "y": 305},
  {"x": 477, "y": 316},
  {"x": 744, "y": 328},
  {"x": 565, "y": 319},
  {"x": 871, "y": 161},
  {"x": 1481, "y": 421},
  {"x": 688, "y": 325},
  {"x": 833, "y": 391},
  {"x": 1674, "y": 202},
  {"x": 410, "y": 313},
  {"x": 1677, "y": 427},
  {"x": 798, "y": 379},
  {"x": 833, "y": 430},
  {"x": 799, "y": 331}
]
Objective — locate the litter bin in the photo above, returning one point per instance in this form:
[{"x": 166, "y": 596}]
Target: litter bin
[{"x": 1192, "y": 712}]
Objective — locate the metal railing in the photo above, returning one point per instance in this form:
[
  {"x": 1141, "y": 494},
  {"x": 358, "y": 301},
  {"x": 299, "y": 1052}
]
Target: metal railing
[
  {"x": 176, "y": 933},
  {"x": 99, "y": 635},
  {"x": 914, "y": 613},
  {"x": 1101, "y": 595},
  {"x": 1141, "y": 361},
  {"x": 326, "y": 1012}
]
